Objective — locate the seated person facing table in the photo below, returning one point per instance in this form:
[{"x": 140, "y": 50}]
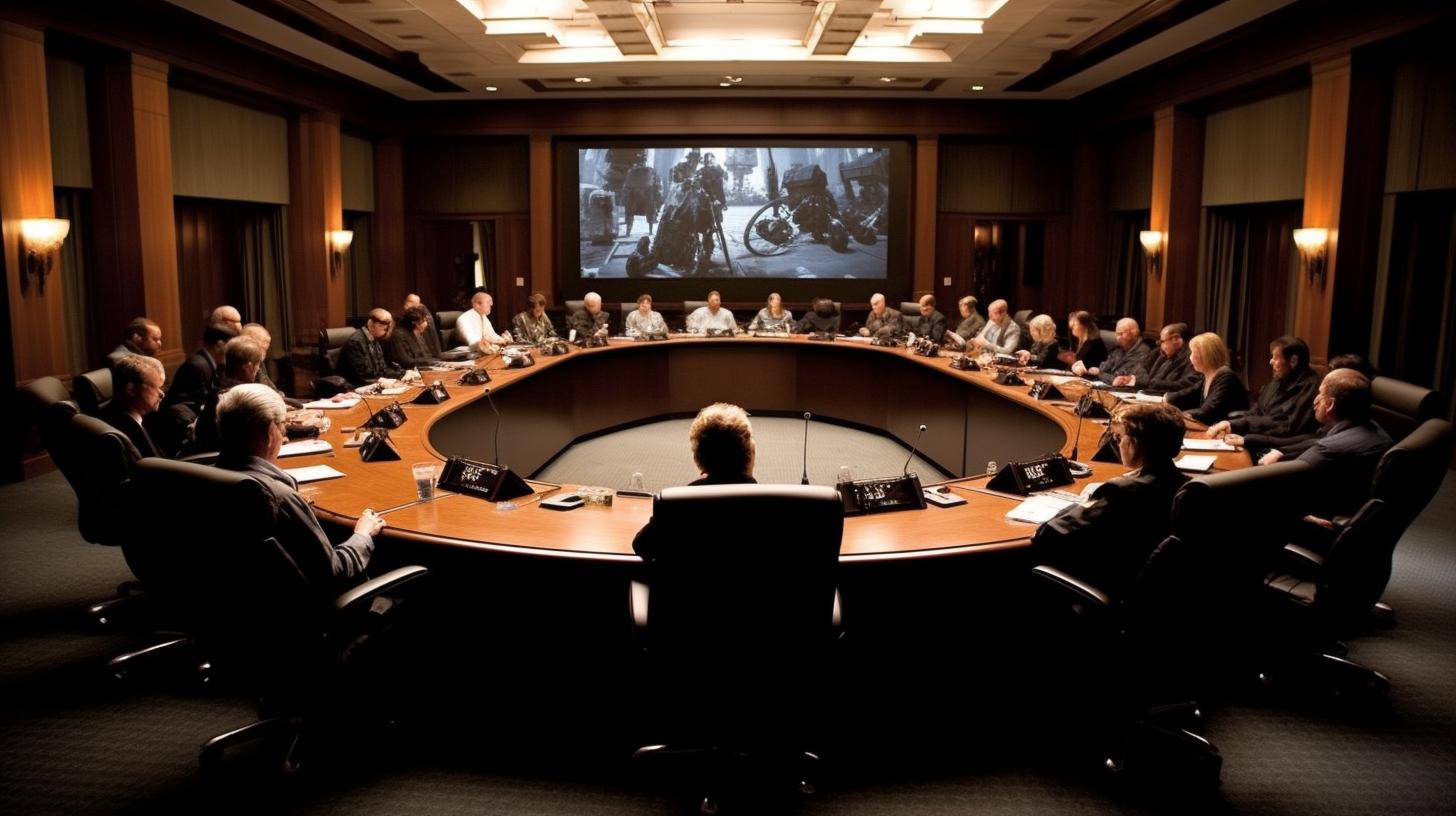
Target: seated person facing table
[
  {"x": 250, "y": 421},
  {"x": 432, "y": 335},
  {"x": 882, "y": 323},
  {"x": 241, "y": 361},
  {"x": 1000, "y": 335},
  {"x": 361, "y": 361},
  {"x": 406, "y": 346},
  {"x": 473, "y": 327},
  {"x": 1045, "y": 350},
  {"x": 1086, "y": 343},
  {"x": 971, "y": 320},
  {"x": 1125, "y": 363},
  {"x": 644, "y": 321},
  {"x": 721, "y": 439},
  {"x": 1220, "y": 392},
  {"x": 1284, "y": 409},
  {"x": 142, "y": 336},
  {"x": 931, "y": 322},
  {"x": 772, "y": 317},
  {"x": 533, "y": 326},
  {"x": 590, "y": 322},
  {"x": 1170, "y": 369},
  {"x": 1107, "y": 540},
  {"x": 822, "y": 318},
  {"x": 136, "y": 382},
  {"x": 712, "y": 317}
]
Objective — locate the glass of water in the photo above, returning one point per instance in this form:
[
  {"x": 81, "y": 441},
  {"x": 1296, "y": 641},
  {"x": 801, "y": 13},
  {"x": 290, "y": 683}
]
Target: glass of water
[{"x": 424, "y": 475}]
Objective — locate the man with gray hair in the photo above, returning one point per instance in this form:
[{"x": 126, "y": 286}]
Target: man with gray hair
[
  {"x": 250, "y": 420},
  {"x": 136, "y": 382},
  {"x": 590, "y": 322},
  {"x": 882, "y": 321}
]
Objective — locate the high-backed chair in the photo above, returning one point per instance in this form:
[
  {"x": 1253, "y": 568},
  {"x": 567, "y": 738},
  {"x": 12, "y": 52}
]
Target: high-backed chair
[
  {"x": 214, "y": 576},
  {"x": 1400, "y": 407},
  {"x": 331, "y": 344},
  {"x": 93, "y": 390},
  {"x": 1022, "y": 316},
  {"x": 574, "y": 306},
  {"x": 690, "y": 306},
  {"x": 1151, "y": 652},
  {"x": 910, "y": 308},
  {"x": 737, "y": 624},
  {"x": 445, "y": 325}
]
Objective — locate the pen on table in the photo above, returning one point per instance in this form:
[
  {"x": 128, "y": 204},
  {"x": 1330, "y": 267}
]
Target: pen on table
[{"x": 539, "y": 496}]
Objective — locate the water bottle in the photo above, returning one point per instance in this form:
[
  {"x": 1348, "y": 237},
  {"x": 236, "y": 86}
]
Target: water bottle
[{"x": 638, "y": 483}]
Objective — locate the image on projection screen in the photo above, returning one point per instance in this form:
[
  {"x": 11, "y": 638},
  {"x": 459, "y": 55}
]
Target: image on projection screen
[{"x": 733, "y": 212}]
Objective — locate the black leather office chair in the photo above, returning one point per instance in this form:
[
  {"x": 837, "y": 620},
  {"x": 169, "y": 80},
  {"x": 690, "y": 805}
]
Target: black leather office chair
[
  {"x": 910, "y": 308},
  {"x": 1400, "y": 407},
  {"x": 93, "y": 390},
  {"x": 738, "y": 625},
  {"x": 1022, "y": 316},
  {"x": 445, "y": 325},
  {"x": 330, "y": 347},
  {"x": 245, "y": 601},
  {"x": 1150, "y": 654}
]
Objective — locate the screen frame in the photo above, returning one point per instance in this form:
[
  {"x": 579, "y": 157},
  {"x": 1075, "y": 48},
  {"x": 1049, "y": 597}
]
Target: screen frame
[{"x": 570, "y": 285}]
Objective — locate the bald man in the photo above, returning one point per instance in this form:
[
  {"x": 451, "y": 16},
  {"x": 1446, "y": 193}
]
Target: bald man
[
  {"x": 362, "y": 360},
  {"x": 882, "y": 322},
  {"x": 228, "y": 315},
  {"x": 474, "y": 329},
  {"x": 1000, "y": 335},
  {"x": 1125, "y": 363},
  {"x": 1345, "y": 457}
]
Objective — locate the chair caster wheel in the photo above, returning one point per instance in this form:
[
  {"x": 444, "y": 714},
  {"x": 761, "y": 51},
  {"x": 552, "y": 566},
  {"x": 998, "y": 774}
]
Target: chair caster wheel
[
  {"x": 1111, "y": 765},
  {"x": 806, "y": 787}
]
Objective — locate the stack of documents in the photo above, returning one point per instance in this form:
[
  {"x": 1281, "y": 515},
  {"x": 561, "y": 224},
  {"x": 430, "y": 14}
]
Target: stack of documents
[{"x": 1207, "y": 445}]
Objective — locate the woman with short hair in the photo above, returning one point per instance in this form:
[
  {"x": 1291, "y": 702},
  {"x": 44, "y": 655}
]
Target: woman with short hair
[{"x": 643, "y": 321}]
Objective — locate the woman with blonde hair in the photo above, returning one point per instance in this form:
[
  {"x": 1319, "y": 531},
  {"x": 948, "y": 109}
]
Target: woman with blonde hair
[
  {"x": 1220, "y": 392},
  {"x": 1044, "y": 347}
]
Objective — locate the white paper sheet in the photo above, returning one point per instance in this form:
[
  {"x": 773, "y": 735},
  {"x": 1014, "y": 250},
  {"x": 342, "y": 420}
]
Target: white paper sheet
[
  {"x": 1195, "y": 464},
  {"x": 303, "y": 447},
  {"x": 313, "y": 473}
]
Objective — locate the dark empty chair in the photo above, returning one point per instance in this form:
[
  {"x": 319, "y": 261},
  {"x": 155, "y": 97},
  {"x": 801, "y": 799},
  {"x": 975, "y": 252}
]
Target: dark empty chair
[
  {"x": 910, "y": 308},
  {"x": 1400, "y": 407},
  {"x": 93, "y": 390},
  {"x": 739, "y": 624},
  {"x": 445, "y": 325}
]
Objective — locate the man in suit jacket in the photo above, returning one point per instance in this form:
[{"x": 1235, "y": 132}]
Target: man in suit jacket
[
  {"x": 1107, "y": 540},
  {"x": 1125, "y": 363},
  {"x": 361, "y": 360},
  {"x": 142, "y": 337},
  {"x": 250, "y": 420},
  {"x": 1345, "y": 457},
  {"x": 931, "y": 322},
  {"x": 590, "y": 322},
  {"x": 431, "y": 335},
  {"x": 193, "y": 386},
  {"x": 882, "y": 321},
  {"x": 137, "y": 391},
  {"x": 1284, "y": 410},
  {"x": 1170, "y": 369}
]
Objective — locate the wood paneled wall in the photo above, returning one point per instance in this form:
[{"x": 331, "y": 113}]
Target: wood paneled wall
[
  {"x": 1256, "y": 152},
  {"x": 1176, "y": 211},
  {"x": 70, "y": 128},
  {"x": 1422, "y": 125},
  {"x": 315, "y": 209},
  {"x": 1329, "y": 113},
  {"x": 468, "y": 177},
  {"x": 223, "y": 150},
  {"x": 356, "y": 156},
  {"x": 207, "y": 252},
  {"x": 390, "y": 274}
]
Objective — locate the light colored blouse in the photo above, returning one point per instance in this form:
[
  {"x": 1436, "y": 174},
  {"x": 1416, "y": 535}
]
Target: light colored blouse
[
  {"x": 765, "y": 321},
  {"x": 639, "y": 324},
  {"x": 702, "y": 320}
]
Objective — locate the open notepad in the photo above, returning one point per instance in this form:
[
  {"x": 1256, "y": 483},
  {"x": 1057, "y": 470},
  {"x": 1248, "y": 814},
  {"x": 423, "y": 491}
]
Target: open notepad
[
  {"x": 313, "y": 473},
  {"x": 1195, "y": 464}
]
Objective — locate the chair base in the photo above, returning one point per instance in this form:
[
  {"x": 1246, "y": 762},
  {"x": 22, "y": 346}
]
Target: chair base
[
  {"x": 725, "y": 772},
  {"x": 124, "y": 665},
  {"x": 210, "y": 756},
  {"x": 1167, "y": 755}
]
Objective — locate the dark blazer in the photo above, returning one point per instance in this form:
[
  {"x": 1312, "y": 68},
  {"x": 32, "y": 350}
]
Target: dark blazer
[
  {"x": 1121, "y": 361},
  {"x": 1225, "y": 394},
  {"x": 1170, "y": 373},
  {"x": 1044, "y": 355},
  {"x": 1108, "y": 541},
  {"x": 115, "y": 415},
  {"x": 647, "y": 541},
  {"x": 1344, "y": 462},
  {"x": 1092, "y": 352},
  {"x": 195, "y": 383},
  {"x": 813, "y": 322},
  {"x": 888, "y": 324},
  {"x": 361, "y": 360},
  {"x": 406, "y": 349},
  {"x": 587, "y": 324},
  {"x": 329, "y": 568},
  {"x": 971, "y": 326},
  {"x": 1285, "y": 408},
  {"x": 932, "y": 326}
]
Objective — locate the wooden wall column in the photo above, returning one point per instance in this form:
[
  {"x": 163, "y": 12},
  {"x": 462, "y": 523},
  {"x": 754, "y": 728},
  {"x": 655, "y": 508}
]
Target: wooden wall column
[
  {"x": 1329, "y": 113},
  {"x": 391, "y": 279},
  {"x": 1082, "y": 287},
  {"x": 37, "y": 328},
  {"x": 543, "y": 237},
  {"x": 927, "y": 195},
  {"x": 135, "y": 265},
  {"x": 1177, "y": 208},
  {"x": 316, "y": 202}
]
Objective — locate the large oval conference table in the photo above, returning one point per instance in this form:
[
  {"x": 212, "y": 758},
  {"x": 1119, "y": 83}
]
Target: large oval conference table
[{"x": 544, "y": 408}]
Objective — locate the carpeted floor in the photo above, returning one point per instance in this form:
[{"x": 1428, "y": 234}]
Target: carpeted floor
[{"x": 73, "y": 742}]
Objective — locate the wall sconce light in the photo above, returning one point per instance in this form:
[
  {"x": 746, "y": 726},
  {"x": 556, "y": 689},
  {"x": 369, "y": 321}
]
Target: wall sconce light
[
  {"x": 40, "y": 240},
  {"x": 1313, "y": 243},
  {"x": 987, "y": 237},
  {"x": 1152, "y": 241},
  {"x": 339, "y": 241}
]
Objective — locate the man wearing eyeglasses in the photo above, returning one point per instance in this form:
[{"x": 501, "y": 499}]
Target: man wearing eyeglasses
[{"x": 362, "y": 360}]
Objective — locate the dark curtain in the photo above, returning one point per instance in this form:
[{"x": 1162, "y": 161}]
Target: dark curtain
[
  {"x": 262, "y": 254},
  {"x": 361, "y": 268},
  {"x": 233, "y": 252},
  {"x": 74, "y": 276},
  {"x": 485, "y": 247},
  {"x": 1250, "y": 263},
  {"x": 1126, "y": 285},
  {"x": 1418, "y": 338}
]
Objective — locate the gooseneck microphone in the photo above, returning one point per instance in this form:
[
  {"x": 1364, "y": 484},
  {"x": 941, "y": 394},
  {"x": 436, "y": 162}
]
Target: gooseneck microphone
[
  {"x": 906, "y": 470},
  {"x": 805, "y": 480},
  {"x": 1077, "y": 468},
  {"x": 495, "y": 454}
]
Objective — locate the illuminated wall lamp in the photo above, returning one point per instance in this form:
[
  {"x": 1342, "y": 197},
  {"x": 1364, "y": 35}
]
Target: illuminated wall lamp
[
  {"x": 339, "y": 241},
  {"x": 40, "y": 240},
  {"x": 1313, "y": 243},
  {"x": 1152, "y": 241}
]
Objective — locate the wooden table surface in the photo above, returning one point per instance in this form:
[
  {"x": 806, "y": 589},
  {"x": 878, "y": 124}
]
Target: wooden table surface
[{"x": 605, "y": 533}]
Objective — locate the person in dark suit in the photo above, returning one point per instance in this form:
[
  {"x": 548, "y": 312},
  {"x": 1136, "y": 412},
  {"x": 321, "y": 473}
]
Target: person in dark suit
[
  {"x": 1125, "y": 362},
  {"x": 361, "y": 360},
  {"x": 931, "y": 322},
  {"x": 1220, "y": 392},
  {"x": 407, "y": 346},
  {"x": 1170, "y": 369},
  {"x": 194, "y": 386},
  {"x": 590, "y": 322},
  {"x": 1045, "y": 351},
  {"x": 822, "y": 317},
  {"x": 971, "y": 320},
  {"x": 1285, "y": 407},
  {"x": 724, "y": 451},
  {"x": 142, "y": 336},
  {"x": 1107, "y": 540},
  {"x": 242, "y": 360},
  {"x": 250, "y": 421},
  {"x": 137, "y": 391},
  {"x": 431, "y": 336}
]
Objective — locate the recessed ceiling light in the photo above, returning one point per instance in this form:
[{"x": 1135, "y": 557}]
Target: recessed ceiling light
[
  {"x": 887, "y": 79},
  {"x": 491, "y": 88},
  {"x": 583, "y": 80},
  {"x": 978, "y": 87}
]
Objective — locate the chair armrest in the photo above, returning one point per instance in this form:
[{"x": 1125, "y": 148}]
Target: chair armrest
[
  {"x": 1073, "y": 586},
  {"x": 1303, "y": 556},
  {"x": 204, "y": 458},
  {"x": 637, "y": 598},
  {"x": 360, "y": 597}
]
